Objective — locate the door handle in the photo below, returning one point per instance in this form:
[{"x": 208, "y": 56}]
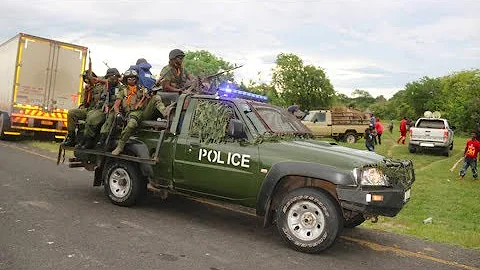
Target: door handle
[{"x": 329, "y": 125}]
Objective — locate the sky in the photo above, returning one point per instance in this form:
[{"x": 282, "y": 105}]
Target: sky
[{"x": 377, "y": 45}]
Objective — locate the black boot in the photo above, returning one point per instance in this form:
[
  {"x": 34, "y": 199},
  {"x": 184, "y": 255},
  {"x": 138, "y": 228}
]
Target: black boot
[{"x": 70, "y": 141}]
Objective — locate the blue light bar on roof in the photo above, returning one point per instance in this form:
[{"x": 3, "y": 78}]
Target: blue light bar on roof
[{"x": 234, "y": 93}]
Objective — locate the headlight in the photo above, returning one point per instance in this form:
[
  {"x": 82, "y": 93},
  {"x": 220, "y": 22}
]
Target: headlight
[{"x": 373, "y": 177}]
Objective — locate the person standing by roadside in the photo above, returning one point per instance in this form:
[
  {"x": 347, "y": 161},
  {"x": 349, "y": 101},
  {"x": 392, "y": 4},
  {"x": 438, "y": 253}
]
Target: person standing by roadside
[
  {"x": 471, "y": 153},
  {"x": 390, "y": 126},
  {"x": 379, "y": 129},
  {"x": 369, "y": 140},
  {"x": 403, "y": 131}
]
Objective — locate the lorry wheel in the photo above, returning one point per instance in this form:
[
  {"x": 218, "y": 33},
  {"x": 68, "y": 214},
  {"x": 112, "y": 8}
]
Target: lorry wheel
[
  {"x": 123, "y": 183},
  {"x": 309, "y": 220},
  {"x": 350, "y": 138},
  {"x": 354, "y": 221},
  {"x": 3, "y": 126},
  {"x": 446, "y": 152}
]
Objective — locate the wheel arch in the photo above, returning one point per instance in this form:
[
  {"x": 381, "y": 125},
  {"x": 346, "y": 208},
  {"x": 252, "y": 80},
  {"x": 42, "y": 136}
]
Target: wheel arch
[{"x": 287, "y": 176}]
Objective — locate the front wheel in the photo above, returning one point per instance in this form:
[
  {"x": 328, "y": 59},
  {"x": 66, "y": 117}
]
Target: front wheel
[
  {"x": 123, "y": 183},
  {"x": 309, "y": 220}
]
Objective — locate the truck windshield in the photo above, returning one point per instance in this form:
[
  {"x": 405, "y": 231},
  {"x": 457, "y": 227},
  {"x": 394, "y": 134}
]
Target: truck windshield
[
  {"x": 278, "y": 120},
  {"x": 309, "y": 117}
]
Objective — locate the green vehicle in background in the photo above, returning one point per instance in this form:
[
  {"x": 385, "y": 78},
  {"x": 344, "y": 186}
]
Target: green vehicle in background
[{"x": 257, "y": 155}]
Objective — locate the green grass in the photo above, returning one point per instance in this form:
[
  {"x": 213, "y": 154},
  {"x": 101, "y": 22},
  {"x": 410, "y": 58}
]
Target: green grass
[{"x": 453, "y": 204}]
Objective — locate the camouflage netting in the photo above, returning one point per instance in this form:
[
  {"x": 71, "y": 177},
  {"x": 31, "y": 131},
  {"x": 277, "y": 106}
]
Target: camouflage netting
[
  {"x": 396, "y": 170},
  {"x": 210, "y": 121}
]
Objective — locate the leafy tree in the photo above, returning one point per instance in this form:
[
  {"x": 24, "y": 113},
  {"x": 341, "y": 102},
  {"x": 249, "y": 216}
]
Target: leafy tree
[
  {"x": 265, "y": 90},
  {"x": 362, "y": 99},
  {"x": 423, "y": 95},
  {"x": 460, "y": 99},
  {"x": 202, "y": 63},
  {"x": 306, "y": 86}
]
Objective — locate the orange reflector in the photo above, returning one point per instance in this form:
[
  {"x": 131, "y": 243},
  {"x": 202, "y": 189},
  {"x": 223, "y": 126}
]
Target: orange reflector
[
  {"x": 59, "y": 137},
  {"x": 377, "y": 198},
  {"x": 46, "y": 123}
]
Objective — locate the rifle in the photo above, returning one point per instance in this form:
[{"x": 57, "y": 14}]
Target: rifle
[
  {"x": 198, "y": 86},
  {"x": 220, "y": 73},
  {"x": 87, "y": 95}
]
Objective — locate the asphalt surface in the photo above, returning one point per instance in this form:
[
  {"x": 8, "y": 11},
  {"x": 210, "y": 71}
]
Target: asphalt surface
[{"x": 52, "y": 218}]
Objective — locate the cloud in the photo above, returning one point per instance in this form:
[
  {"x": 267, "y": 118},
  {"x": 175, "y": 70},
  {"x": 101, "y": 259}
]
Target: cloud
[{"x": 379, "y": 45}]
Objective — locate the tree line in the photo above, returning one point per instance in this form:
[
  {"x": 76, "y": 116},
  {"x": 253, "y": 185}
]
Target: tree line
[{"x": 456, "y": 95}]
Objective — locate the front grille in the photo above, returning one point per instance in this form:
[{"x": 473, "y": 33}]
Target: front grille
[{"x": 400, "y": 172}]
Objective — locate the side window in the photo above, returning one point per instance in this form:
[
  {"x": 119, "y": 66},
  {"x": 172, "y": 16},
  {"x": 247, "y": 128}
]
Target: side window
[
  {"x": 321, "y": 117},
  {"x": 210, "y": 121}
]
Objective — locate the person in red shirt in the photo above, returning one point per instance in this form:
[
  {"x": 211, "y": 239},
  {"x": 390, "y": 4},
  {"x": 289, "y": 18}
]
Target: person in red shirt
[
  {"x": 379, "y": 128},
  {"x": 403, "y": 130},
  {"x": 471, "y": 153}
]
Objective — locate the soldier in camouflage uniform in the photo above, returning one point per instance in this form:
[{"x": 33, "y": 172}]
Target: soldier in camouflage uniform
[
  {"x": 174, "y": 77},
  {"x": 131, "y": 100},
  {"x": 92, "y": 93},
  {"x": 115, "y": 87}
]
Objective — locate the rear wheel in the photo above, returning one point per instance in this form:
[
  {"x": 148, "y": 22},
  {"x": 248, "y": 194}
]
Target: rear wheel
[
  {"x": 123, "y": 183},
  {"x": 4, "y": 125},
  {"x": 309, "y": 220},
  {"x": 446, "y": 152},
  {"x": 350, "y": 137},
  {"x": 412, "y": 149}
]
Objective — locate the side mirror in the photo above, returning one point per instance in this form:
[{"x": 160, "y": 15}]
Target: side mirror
[
  {"x": 236, "y": 129},
  {"x": 453, "y": 127}
]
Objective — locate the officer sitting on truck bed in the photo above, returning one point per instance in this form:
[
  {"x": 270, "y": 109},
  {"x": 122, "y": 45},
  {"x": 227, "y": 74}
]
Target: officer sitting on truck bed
[
  {"x": 131, "y": 101},
  {"x": 91, "y": 97},
  {"x": 114, "y": 87}
]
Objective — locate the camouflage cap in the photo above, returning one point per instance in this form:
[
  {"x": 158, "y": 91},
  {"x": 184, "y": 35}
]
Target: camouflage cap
[
  {"x": 176, "y": 53},
  {"x": 112, "y": 72}
]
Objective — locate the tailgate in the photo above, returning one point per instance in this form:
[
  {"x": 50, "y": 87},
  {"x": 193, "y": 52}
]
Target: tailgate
[{"x": 427, "y": 134}]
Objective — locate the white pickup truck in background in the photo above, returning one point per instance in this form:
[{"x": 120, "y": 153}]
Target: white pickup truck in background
[{"x": 433, "y": 134}]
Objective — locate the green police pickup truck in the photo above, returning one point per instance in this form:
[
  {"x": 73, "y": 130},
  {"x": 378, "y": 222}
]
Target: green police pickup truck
[{"x": 257, "y": 155}]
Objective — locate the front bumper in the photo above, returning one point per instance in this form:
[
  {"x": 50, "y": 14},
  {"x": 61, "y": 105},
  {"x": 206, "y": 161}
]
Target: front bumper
[{"x": 366, "y": 201}]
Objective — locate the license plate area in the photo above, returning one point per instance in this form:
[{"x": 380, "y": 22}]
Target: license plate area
[{"x": 427, "y": 144}]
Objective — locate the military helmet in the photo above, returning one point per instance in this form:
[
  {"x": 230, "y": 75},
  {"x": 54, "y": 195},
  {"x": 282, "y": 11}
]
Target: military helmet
[
  {"x": 176, "y": 53},
  {"x": 112, "y": 72}
]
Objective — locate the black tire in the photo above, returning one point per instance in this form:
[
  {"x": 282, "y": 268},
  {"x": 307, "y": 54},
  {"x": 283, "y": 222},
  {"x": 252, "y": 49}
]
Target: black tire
[
  {"x": 4, "y": 125},
  {"x": 446, "y": 152},
  {"x": 319, "y": 219},
  {"x": 123, "y": 183},
  {"x": 354, "y": 221},
  {"x": 412, "y": 149},
  {"x": 350, "y": 137}
]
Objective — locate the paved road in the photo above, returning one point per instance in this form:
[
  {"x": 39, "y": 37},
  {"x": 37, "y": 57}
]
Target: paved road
[{"x": 52, "y": 218}]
